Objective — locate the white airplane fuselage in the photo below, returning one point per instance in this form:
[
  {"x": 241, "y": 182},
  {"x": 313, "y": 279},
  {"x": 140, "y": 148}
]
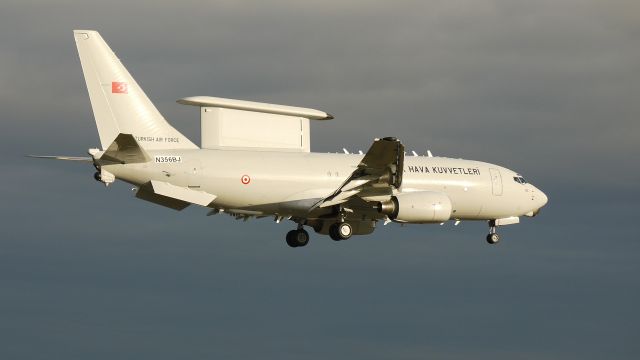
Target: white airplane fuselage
[{"x": 288, "y": 183}]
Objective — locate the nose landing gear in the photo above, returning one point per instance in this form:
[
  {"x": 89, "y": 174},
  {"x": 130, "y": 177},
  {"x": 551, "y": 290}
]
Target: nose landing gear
[{"x": 492, "y": 237}]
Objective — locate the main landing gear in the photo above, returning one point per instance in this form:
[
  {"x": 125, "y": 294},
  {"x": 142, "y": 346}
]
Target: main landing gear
[
  {"x": 340, "y": 231},
  {"x": 492, "y": 237},
  {"x": 298, "y": 237}
]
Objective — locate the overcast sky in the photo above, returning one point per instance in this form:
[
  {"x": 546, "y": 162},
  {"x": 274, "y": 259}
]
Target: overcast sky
[{"x": 547, "y": 88}]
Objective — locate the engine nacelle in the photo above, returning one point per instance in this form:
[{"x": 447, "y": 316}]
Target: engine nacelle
[{"x": 417, "y": 207}]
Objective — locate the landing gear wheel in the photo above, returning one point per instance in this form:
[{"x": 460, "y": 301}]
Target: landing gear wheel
[
  {"x": 296, "y": 238},
  {"x": 340, "y": 231},
  {"x": 493, "y": 238},
  {"x": 333, "y": 232},
  {"x": 345, "y": 230}
]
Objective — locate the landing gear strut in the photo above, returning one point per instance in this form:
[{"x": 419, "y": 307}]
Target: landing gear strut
[
  {"x": 340, "y": 231},
  {"x": 298, "y": 237},
  {"x": 492, "y": 237}
]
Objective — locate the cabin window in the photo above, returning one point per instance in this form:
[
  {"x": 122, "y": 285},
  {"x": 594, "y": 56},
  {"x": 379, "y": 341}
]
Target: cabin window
[{"x": 519, "y": 180}]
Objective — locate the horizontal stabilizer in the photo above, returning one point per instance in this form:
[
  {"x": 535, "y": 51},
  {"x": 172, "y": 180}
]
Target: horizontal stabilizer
[
  {"x": 172, "y": 196},
  {"x": 181, "y": 193},
  {"x": 125, "y": 150},
  {"x": 67, "y": 158},
  {"x": 145, "y": 192}
]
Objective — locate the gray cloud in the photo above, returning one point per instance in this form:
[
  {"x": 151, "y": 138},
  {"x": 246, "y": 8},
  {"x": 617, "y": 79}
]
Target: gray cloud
[
  {"x": 552, "y": 80},
  {"x": 548, "y": 88}
]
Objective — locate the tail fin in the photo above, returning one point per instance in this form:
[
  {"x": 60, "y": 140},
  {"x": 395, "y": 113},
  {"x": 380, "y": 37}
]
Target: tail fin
[{"x": 119, "y": 104}]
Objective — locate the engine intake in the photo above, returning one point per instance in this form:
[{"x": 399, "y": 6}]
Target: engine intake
[{"x": 417, "y": 207}]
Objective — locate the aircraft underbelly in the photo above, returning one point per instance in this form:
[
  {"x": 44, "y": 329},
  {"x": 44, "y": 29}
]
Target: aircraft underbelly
[{"x": 277, "y": 182}]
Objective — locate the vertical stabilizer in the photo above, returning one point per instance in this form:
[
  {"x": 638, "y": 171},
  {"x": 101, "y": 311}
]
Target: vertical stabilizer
[{"x": 119, "y": 104}]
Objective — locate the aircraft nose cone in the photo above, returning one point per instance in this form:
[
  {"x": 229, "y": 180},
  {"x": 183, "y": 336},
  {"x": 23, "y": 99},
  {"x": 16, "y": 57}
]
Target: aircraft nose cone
[
  {"x": 543, "y": 199},
  {"x": 540, "y": 200}
]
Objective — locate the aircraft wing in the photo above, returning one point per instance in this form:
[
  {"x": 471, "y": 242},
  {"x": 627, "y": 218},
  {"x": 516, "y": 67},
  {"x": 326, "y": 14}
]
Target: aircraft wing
[{"x": 377, "y": 174}]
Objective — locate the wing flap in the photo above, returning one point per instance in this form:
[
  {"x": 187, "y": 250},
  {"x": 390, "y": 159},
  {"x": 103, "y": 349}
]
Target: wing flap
[
  {"x": 340, "y": 198},
  {"x": 356, "y": 183}
]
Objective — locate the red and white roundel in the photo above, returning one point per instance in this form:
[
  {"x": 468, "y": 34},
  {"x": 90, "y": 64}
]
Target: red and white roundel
[{"x": 245, "y": 179}]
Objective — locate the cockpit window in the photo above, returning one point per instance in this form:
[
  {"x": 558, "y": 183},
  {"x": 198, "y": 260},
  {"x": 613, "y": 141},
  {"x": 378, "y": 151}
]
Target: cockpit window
[{"x": 519, "y": 180}]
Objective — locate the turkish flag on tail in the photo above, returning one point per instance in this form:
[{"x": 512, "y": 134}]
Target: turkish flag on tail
[{"x": 118, "y": 87}]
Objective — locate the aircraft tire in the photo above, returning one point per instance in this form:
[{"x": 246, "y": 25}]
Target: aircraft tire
[
  {"x": 301, "y": 237},
  {"x": 290, "y": 238},
  {"x": 333, "y": 232},
  {"x": 341, "y": 231},
  {"x": 345, "y": 230},
  {"x": 493, "y": 238},
  {"x": 296, "y": 238}
]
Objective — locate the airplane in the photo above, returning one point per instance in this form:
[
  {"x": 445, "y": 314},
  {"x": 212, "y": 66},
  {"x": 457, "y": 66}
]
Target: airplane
[{"x": 254, "y": 160}]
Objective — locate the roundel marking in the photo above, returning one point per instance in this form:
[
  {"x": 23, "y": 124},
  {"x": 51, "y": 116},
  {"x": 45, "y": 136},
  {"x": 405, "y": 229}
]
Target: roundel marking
[{"x": 245, "y": 179}]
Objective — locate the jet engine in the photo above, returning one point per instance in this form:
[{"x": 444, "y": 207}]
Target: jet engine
[{"x": 417, "y": 207}]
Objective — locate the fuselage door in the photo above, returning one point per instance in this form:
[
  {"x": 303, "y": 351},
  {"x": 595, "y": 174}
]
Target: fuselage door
[{"x": 496, "y": 182}]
